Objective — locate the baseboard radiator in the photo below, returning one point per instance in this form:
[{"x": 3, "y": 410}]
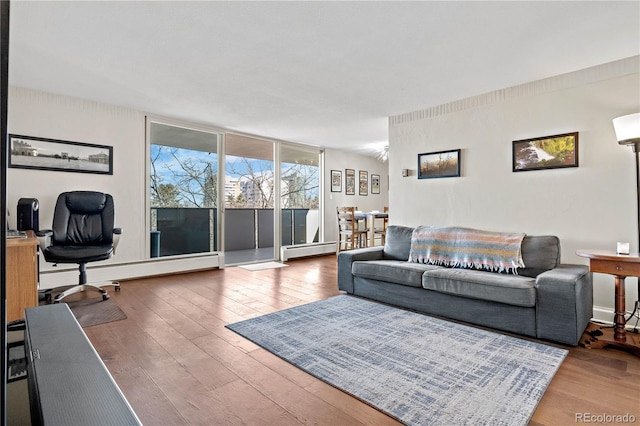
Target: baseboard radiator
[
  {"x": 304, "y": 250},
  {"x": 68, "y": 274}
]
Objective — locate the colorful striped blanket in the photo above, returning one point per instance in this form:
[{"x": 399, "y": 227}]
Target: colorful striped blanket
[{"x": 467, "y": 248}]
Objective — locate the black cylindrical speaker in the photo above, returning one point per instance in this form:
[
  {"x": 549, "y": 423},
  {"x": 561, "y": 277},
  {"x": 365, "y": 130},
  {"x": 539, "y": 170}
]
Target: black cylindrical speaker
[{"x": 28, "y": 211}]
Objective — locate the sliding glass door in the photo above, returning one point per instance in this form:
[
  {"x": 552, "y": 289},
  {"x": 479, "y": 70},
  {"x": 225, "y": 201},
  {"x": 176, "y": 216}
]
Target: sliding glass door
[
  {"x": 247, "y": 196},
  {"x": 249, "y": 199}
]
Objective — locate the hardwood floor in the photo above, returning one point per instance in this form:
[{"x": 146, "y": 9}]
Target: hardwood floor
[{"x": 177, "y": 364}]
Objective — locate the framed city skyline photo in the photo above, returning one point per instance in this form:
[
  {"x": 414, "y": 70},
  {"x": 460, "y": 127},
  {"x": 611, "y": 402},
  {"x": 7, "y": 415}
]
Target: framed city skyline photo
[
  {"x": 439, "y": 164},
  {"x": 28, "y": 152},
  {"x": 363, "y": 188},
  {"x": 336, "y": 181},
  {"x": 548, "y": 152},
  {"x": 350, "y": 181}
]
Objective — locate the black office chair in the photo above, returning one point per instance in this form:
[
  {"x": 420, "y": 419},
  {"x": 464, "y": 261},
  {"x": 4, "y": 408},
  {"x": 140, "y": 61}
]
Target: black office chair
[{"x": 83, "y": 231}]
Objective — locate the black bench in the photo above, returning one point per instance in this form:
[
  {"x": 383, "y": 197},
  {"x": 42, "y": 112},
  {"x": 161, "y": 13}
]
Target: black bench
[{"x": 68, "y": 382}]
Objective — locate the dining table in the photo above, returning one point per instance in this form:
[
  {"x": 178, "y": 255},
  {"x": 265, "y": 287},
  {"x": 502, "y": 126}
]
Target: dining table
[{"x": 369, "y": 220}]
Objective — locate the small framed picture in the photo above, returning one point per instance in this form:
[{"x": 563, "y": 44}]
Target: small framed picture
[
  {"x": 548, "y": 152},
  {"x": 439, "y": 164},
  {"x": 350, "y": 181},
  {"x": 375, "y": 184},
  {"x": 336, "y": 181},
  {"x": 364, "y": 183}
]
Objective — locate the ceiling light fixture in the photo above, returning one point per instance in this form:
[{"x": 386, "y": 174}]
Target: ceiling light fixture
[{"x": 383, "y": 154}]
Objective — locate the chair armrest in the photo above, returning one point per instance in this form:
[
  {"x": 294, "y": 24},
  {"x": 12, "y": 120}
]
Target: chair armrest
[
  {"x": 116, "y": 238},
  {"x": 44, "y": 238},
  {"x": 564, "y": 303},
  {"x": 346, "y": 259}
]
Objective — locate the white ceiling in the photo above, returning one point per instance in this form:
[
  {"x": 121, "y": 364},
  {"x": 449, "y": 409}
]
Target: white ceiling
[{"x": 320, "y": 73}]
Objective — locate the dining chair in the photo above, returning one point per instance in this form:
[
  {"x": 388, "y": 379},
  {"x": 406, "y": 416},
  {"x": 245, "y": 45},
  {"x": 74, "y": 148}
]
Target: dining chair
[
  {"x": 382, "y": 230},
  {"x": 350, "y": 234}
]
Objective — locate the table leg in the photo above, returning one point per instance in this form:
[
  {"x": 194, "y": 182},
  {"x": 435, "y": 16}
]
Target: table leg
[
  {"x": 600, "y": 337},
  {"x": 619, "y": 319},
  {"x": 371, "y": 219}
]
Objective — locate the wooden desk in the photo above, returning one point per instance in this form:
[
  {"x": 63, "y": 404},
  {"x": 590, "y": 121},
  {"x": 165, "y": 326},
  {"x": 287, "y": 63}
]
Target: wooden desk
[
  {"x": 621, "y": 266},
  {"x": 22, "y": 275}
]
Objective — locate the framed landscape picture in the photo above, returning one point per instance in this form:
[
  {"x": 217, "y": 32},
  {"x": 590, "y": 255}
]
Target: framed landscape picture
[
  {"x": 375, "y": 184},
  {"x": 336, "y": 181},
  {"x": 548, "y": 152},
  {"x": 28, "y": 152},
  {"x": 439, "y": 164},
  {"x": 364, "y": 183},
  {"x": 349, "y": 181}
]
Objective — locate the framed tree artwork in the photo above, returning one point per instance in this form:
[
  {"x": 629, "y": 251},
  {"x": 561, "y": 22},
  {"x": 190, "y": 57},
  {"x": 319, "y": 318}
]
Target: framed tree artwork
[{"x": 439, "y": 164}]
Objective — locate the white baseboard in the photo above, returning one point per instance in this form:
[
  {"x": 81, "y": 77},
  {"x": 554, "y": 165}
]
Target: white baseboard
[
  {"x": 130, "y": 270},
  {"x": 602, "y": 314},
  {"x": 303, "y": 250},
  {"x": 605, "y": 315}
]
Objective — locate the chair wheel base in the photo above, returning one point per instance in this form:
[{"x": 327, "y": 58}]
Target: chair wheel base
[{"x": 96, "y": 287}]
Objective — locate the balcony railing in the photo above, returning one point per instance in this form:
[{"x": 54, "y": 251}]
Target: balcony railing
[{"x": 176, "y": 231}]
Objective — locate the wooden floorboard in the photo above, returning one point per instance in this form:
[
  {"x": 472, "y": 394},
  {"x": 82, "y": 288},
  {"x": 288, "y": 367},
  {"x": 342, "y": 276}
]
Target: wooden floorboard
[{"x": 177, "y": 364}]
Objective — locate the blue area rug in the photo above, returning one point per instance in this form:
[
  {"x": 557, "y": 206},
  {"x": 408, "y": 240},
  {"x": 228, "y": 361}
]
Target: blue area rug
[{"x": 418, "y": 369}]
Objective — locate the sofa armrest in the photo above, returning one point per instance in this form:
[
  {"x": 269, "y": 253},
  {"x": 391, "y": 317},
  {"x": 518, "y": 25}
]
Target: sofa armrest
[
  {"x": 564, "y": 303},
  {"x": 346, "y": 259}
]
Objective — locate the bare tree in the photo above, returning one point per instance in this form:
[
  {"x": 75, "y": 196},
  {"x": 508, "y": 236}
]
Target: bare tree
[
  {"x": 302, "y": 186},
  {"x": 194, "y": 179},
  {"x": 193, "y": 182},
  {"x": 256, "y": 177}
]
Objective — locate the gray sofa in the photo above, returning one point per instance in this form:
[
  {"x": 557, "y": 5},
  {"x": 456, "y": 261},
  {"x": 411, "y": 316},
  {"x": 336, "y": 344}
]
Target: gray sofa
[{"x": 547, "y": 300}]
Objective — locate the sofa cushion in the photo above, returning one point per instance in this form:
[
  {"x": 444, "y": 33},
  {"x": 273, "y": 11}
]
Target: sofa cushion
[
  {"x": 397, "y": 242},
  {"x": 503, "y": 288},
  {"x": 394, "y": 271},
  {"x": 540, "y": 254}
]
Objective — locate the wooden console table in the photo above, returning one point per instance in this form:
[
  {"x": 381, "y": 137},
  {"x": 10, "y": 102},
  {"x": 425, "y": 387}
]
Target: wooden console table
[
  {"x": 22, "y": 275},
  {"x": 621, "y": 266}
]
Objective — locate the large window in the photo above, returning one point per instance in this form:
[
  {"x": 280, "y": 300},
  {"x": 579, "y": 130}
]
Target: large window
[{"x": 183, "y": 182}]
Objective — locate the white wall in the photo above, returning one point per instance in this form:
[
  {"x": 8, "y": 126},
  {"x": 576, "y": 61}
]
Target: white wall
[
  {"x": 341, "y": 160},
  {"x": 33, "y": 113},
  {"x": 592, "y": 206},
  {"x": 46, "y": 115}
]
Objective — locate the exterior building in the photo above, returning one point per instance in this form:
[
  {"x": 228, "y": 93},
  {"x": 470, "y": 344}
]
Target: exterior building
[
  {"x": 23, "y": 148},
  {"x": 99, "y": 158}
]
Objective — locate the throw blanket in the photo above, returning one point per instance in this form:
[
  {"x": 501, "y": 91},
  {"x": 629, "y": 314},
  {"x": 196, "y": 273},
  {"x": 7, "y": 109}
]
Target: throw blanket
[{"x": 467, "y": 248}]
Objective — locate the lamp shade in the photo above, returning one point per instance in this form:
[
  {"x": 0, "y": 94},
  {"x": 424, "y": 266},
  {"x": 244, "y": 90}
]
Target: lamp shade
[{"x": 627, "y": 128}]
